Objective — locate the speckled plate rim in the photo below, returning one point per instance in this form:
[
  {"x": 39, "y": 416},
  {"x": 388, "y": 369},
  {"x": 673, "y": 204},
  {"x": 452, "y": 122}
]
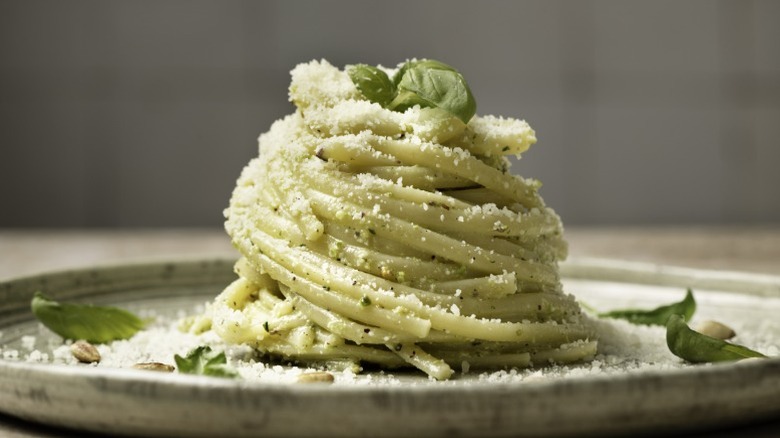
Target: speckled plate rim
[{"x": 133, "y": 403}]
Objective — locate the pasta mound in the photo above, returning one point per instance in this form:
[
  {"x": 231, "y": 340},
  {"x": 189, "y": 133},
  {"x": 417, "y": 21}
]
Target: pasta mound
[{"x": 370, "y": 236}]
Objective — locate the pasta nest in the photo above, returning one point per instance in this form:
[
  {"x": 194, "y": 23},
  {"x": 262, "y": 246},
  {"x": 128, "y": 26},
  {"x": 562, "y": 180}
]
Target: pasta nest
[{"x": 395, "y": 239}]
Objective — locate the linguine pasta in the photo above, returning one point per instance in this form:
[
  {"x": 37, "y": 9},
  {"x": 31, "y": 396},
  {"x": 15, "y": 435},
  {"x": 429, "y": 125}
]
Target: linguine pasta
[{"x": 370, "y": 236}]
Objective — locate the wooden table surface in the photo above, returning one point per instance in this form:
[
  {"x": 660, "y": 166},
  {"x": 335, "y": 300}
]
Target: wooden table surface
[{"x": 26, "y": 252}]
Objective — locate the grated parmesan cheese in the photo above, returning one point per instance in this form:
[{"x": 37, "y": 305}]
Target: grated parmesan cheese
[{"x": 623, "y": 348}]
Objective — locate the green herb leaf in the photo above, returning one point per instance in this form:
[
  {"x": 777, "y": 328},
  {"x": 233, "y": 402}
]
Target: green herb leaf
[
  {"x": 79, "y": 321},
  {"x": 432, "y": 63},
  {"x": 204, "y": 362},
  {"x": 375, "y": 85},
  {"x": 427, "y": 83},
  {"x": 430, "y": 83},
  {"x": 693, "y": 346},
  {"x": 657, "y": 316}
]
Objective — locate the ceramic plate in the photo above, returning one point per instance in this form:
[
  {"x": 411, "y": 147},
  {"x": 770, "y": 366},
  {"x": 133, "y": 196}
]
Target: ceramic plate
[{"x": 144, "y": 403}]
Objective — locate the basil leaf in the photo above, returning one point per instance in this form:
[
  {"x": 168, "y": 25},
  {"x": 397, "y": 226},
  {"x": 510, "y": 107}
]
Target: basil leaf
[
  {"x": 693, "y": 346},
  {"x": 373, "y": 83},
  {"x": 657, "y": 316},
  {"x": 79, "y": 321},
  {"x": 427, "y": 63},
  {"x": 204, "y": 362},
  {"x": 427, "y": 83},
  {"x": 407, "y": 99},
  {"x": 433, "y": 84}
]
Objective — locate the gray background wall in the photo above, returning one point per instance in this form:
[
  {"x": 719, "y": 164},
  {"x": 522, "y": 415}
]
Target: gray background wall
[{"x": 142, "y": 113}]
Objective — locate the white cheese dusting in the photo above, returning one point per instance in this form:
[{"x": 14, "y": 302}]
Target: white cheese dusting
[{"x": 623, "y": 348}]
